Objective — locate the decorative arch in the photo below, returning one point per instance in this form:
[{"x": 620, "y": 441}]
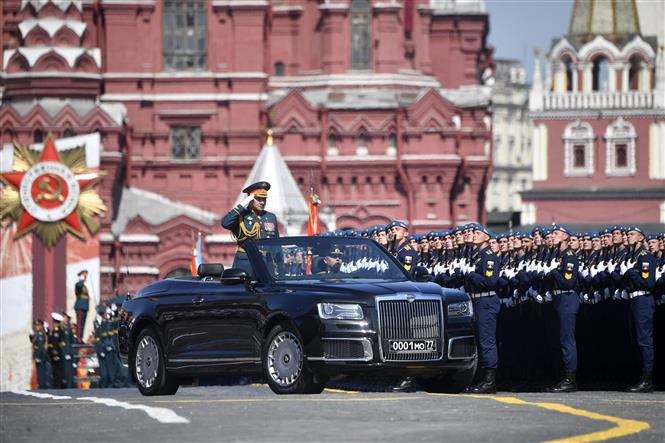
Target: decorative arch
[
  {"x": 66, "y": 37},
  {"x": 637, "y": 46},
  {"x": 51, "y": 61},
  {"x": 18, "y": 63},
  {"x": 37, "y": 37},
  {"x": 578, "y": 138},
  {"x": 599, "y": 46},
  {"x": 620, "y": 138},
  {"x": 563, "y": 47}
]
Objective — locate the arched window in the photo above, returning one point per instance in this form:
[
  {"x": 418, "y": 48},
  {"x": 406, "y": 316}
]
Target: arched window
[
  {"x": 279, "y": 69},
  {"x": 69, "y": 132},
  {"x": 392, "y": 144},
  {"x": 361, "y": 34},
  {"x": 362, "y": 145},
  {"x": 332, "y": 145},
  {"x": 178, "y": 272},
  {"x": 568, "y": 69},
  {"x": 620, "y": 148},
  {"x": 38, "y": 136},
  {"x": 600, "y": 74},
  {"x": 578, "y": 141},
  {"x": 634, "y": 73}
]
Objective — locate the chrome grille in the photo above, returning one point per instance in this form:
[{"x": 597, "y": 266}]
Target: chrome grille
[{"x": 401, "y": 319}]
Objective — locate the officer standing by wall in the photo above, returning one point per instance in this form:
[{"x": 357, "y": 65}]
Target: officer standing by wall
[
  {"x": 39, "y": 353},
  {"x": 68, "y": 351},
  {"x": 563, "y": 281},
  {"x": 249, "y": 220},
  {"x": 55, "y": 348},
  {"x": 82, "y": 304},
  {"x": 481, "y": 279}
]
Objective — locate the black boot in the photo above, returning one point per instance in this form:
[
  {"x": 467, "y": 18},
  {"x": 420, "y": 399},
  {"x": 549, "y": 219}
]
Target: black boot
[
  {"x": 567, "y": 383},
  {"x": 644, "y": 384},
  {"x": 407, "y": 385},
  {"x": 487, "y": 384}
]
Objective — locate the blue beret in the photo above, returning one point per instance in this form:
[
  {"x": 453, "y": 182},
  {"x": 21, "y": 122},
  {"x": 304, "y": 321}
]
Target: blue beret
[
  {"x": 635, "y": 228},
  {"x": 484, "y": 230},
  {"x": 399, "y": 224},
  {"x": 652, "y": 237},
  {"x": 562, "y": 228}
]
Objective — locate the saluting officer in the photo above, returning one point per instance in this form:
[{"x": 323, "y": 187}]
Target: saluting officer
[
  {"x": 249, "y": 220},
  {"x": 404, "y": 252},
  {"x": 564, "y": 282},
  {"x": 640, "y": 280},
  {"x": 481, "y": 282}
]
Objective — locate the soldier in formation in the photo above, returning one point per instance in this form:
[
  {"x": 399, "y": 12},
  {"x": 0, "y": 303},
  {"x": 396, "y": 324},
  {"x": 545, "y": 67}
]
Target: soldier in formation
[{"x": 546, "y": 265}]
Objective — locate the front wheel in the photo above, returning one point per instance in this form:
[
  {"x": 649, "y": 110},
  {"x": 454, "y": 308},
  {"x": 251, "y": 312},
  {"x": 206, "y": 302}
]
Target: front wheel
[
  {"x": 284, "y": 365},
  {"x": 149, "y": 366}
]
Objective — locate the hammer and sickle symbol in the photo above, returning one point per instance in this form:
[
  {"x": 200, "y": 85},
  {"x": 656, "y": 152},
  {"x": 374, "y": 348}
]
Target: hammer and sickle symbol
[{"x": 47, "y": 192}]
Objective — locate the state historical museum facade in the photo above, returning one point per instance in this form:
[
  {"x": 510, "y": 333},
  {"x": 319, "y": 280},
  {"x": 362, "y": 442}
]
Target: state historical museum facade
[{"x": 380, "y": 105}]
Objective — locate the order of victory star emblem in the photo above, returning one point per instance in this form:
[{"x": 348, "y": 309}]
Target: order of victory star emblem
[{"x": 51, "y": 193}]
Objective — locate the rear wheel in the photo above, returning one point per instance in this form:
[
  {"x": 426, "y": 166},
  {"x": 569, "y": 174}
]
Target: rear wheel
[
  {"x": 284, "y": 364},
  {"x": 149, "y": 366}
]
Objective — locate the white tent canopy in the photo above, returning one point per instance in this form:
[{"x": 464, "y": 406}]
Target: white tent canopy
[{"x": 284, "y": 198}]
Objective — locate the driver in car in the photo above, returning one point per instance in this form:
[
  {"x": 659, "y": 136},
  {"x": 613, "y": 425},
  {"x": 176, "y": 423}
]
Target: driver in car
[{"x": 332, "y": 261}]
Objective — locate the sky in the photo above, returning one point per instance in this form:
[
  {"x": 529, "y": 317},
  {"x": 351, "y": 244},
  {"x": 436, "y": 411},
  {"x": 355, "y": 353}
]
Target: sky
[{"x": 518, "y": 26}]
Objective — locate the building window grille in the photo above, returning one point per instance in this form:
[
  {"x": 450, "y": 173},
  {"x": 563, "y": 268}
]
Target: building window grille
[
  {"x": 185, "y": 142},
  {"x": 361, "y": 33},
  {"x": 578, "y": 141},
  {"x": 620, "y": 138},
  {"x": 185, "y": 40}
]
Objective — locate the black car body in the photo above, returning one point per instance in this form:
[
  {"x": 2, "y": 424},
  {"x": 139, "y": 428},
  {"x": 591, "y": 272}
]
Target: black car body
[{"x": 366, "y": 315}]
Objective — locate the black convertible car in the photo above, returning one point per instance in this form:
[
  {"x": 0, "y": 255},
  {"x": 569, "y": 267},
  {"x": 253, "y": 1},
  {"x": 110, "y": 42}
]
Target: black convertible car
[{"x": 309, "y": 308}]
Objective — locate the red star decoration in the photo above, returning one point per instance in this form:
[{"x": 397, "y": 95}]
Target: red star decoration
[{"x": 26, "y": 221}]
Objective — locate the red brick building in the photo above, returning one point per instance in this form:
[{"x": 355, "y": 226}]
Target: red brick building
[
  {"x": 381, "y": 105},
  {"x": 599, "y": 122}
]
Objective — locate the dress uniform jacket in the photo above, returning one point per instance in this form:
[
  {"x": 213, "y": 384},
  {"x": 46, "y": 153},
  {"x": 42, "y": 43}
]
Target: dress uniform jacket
[{"x": 246, "y": 224}]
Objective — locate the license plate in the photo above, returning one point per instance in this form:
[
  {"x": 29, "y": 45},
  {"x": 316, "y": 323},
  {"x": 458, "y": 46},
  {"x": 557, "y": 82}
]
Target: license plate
[{"x": 412, "y": 346}]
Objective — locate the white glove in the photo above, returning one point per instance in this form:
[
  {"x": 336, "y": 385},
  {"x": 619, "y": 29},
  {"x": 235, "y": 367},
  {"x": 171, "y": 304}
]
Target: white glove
[
  {"x": 246, "y": 201},
  {"x": 623, "y": 267},
  {"x": 470, "y": 268},
  {"x": 584, "y": 272},
  {"x": 510, "y": 302},
  {"x": 611, "y": 266},
  {"x": 553, "y": 263},
  {"x": 68, "y": 357},
  {"x": 539, "y": 298}
]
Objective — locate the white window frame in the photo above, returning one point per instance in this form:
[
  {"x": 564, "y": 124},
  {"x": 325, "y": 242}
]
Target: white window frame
[
  {"x": 620, "y": 132},
  {"x": 578, "y": 133}
]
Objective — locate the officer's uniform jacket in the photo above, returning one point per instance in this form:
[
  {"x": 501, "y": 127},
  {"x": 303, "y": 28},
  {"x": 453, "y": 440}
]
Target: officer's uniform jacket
[
  {"x": 486, "y": 275},
  {"x": 246, "y": 224},
  {"x": 642, "y": 276},
  {"x": 82, "y": 296},
  {"x": 406, "y": 255},
  {"x": 39, "y": 347},
  {"x": 565, "y": 276}
]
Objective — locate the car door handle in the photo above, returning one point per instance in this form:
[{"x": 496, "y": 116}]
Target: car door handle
[{"x": 197, "y": 300}]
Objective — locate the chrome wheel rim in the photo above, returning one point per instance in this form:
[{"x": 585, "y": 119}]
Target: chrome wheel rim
[
  {"x": 147, "y": 362},
  {"x": 285, "y": 358}
]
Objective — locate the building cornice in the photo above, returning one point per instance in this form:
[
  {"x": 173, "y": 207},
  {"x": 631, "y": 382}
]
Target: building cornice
[
  {"x": 597, "y": 113},
  {"x": 186, "y": 97},
  {"x": 184, "y": 75},
  {"x": 594, "y": 194}
]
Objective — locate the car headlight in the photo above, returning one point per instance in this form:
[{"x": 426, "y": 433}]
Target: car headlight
[
  {"x": 336, "y": 311},
  {"x": 461, "y": 309}
]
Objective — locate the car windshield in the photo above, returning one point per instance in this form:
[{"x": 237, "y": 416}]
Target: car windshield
[{"x": 316, "y": 258}]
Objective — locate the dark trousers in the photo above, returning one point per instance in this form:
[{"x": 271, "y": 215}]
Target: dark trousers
[
  {"x": 642, "y": 309},
  {"x": 58, "y": 374},
  {"x": 486, "y": 309},
  {"x": 43, "y": 379},
  {"x": 68, "y": 372},
  {"x": 81, "y": 315},
  {"x": 566, "y": 307}
]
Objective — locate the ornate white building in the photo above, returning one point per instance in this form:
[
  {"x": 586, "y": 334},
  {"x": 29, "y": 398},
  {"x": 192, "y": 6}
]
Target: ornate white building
[
  {"x": 511, "y": 161},
  {"x": 599, "y": 121}
]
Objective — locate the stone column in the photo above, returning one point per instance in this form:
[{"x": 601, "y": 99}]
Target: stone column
[{"x": 625, "y": 76}]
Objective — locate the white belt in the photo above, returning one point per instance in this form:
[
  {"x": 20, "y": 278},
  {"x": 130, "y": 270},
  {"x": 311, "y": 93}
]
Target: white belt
[
  {"x": 637, "y": 294},
  {"x": 482, "y": 294},
  {"x": 561, "y": 292}
]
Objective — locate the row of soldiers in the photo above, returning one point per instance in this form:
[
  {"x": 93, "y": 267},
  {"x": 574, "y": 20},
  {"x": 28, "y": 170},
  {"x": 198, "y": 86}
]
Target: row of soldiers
[
  {"x": 55, "y": 350},
  {"x": 548, "y": 264}
]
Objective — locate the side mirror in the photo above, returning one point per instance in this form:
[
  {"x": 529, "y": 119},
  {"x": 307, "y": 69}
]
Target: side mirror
[
  {"x": 421, "y": 274},
  {"x": 234, "y": 276}
]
